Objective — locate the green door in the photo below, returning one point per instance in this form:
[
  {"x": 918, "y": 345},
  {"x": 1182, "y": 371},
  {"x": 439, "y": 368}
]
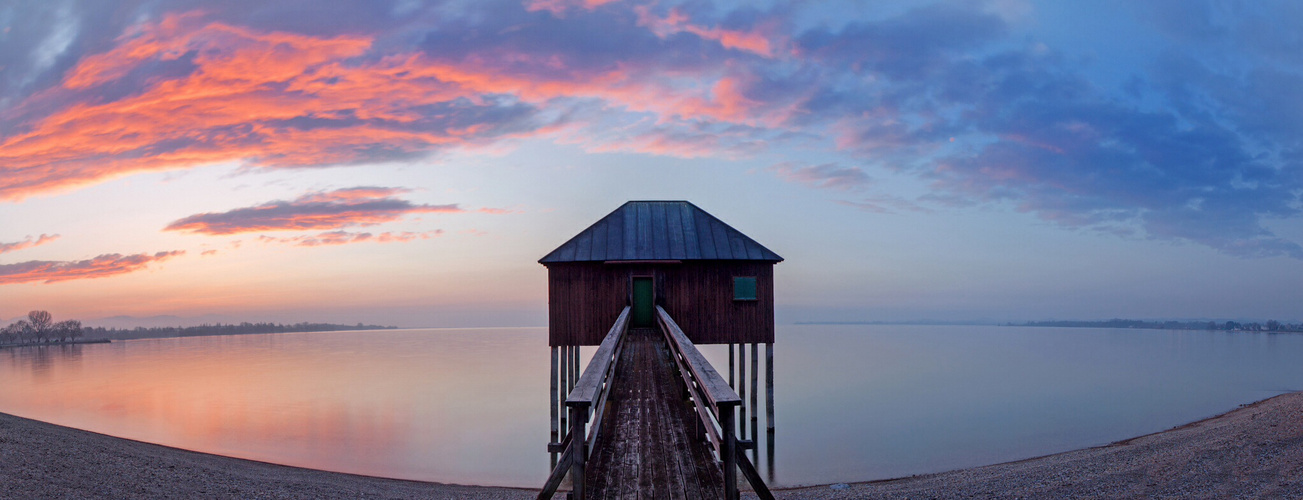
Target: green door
[{"x": 642, "y": 303}]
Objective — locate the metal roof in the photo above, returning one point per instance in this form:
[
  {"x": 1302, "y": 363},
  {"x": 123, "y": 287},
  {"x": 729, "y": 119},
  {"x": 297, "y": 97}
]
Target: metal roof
[{"x": 659, "y": 230}]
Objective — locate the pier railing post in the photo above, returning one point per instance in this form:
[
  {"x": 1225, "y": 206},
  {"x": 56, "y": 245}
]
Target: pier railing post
[
  {"x": 729, "y": 435},
  {"x": 578, "y": 448}
]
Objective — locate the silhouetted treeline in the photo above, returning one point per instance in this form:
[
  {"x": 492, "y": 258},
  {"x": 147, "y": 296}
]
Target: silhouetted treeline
[
  {"x": 141, "y": 332},
  {"x": 1233, "y": 326},
  {"x": 40, "y": 328}
]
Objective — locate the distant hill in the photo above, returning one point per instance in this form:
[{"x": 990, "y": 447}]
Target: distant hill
[
  {"x": 166, "y": 320},
  {"x": 1251, "y": 326}
]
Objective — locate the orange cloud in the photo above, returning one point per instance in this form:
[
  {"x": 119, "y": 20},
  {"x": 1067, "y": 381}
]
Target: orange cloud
[
  {"x": 277, "y": 99},
  {"x": 27, "y": 243},
  {"x": 364, "y": 206},
  {"x": 271, "y": 99},
  {"x": 99, "y": 267}
]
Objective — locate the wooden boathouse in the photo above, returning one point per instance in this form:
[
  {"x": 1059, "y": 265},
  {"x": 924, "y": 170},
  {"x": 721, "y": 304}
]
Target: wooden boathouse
[{"x": 646, "y": 284}]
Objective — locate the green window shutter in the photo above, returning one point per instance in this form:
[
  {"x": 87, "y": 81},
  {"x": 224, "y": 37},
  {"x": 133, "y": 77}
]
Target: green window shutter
[{"x": 744, "y": 288}]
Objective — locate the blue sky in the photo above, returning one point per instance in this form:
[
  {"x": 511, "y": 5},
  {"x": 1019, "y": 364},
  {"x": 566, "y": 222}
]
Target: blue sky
[{"x": 407, "y": 162}]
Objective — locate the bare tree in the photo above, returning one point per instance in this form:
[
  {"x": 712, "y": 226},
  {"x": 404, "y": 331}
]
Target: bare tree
[
  {"x": 67, "y": 330},
  {"x": 9, "y": 334},
  {"x": 41, "y": 322},
  {"x": 21, "y": 331}
]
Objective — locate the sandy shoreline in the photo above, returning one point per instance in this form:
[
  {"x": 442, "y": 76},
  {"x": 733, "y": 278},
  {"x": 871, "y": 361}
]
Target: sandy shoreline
[{"x": 1251, "y": 452}]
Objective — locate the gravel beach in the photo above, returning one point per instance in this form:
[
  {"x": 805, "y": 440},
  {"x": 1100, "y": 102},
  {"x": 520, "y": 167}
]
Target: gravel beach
[{"x": 1252, "y": 452}]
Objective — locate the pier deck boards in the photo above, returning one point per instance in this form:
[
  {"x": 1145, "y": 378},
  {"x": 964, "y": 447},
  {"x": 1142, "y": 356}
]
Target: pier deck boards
[{"x": 647, "y": 448}]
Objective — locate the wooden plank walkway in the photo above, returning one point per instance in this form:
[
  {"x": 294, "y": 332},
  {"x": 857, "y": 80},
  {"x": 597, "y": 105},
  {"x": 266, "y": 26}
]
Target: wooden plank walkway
[{"x": 648, "y": 447}]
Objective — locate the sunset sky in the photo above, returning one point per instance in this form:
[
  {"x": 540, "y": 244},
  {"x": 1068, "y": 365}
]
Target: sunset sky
[{"x": 407, "y": 162}]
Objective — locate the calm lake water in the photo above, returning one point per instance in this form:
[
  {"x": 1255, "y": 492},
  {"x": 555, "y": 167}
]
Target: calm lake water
[{"x": 471, "y": 405}]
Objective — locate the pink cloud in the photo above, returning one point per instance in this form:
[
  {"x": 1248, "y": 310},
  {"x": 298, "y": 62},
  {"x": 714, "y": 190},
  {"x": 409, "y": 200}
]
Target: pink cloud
[
  {"x": 559, "y": 7},
  {"x": 886, "y": 205},
  {"x": 99, "y": 267},
  {"x": 27, "y": 243},
  {"x": 677, "y": 142},
  {"x": 362, "y": 206},
  {"x": 345, "y": 237},
  {"x": 677, "y": 22},
  {"x": 406, "y": 236},
  {"x": 266, "y": 98},
  {"x": 277, "y": 99},
  {"x": 825, "y": 176}
]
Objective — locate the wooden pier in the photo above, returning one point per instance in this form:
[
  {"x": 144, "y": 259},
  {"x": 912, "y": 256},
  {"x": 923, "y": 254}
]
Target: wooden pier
[
  {"x": 651, "y": 448},
  {"x": 649, "y": 417},
  {"x": 663, "y": 422}
]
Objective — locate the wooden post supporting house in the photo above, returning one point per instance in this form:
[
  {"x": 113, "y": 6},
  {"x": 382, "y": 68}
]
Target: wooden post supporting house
[{"x": 769, "y": 386}]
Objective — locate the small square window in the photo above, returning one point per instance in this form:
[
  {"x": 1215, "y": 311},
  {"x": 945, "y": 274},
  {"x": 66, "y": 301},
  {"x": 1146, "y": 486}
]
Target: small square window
[{"x": 744, "y": 288}]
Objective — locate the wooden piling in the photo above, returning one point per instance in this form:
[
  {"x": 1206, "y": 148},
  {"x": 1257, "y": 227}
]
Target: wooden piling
[
  {"x": 755, "y": 382},
  {"x": 574, "y": 373},
  {"x": 565, "y": 390},
  {"x": 556, "y": 396},
  {"x": 742, "y": 388},
  {"x": 769, "y": 386},
  {"x": 769, "y": 454},
  {"x": 755, "y": 410},
  {"x": 730, "y": 366}
]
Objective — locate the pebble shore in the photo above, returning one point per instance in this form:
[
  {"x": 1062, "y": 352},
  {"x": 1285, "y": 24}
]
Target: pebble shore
[{"x": 1252, "y": 452}]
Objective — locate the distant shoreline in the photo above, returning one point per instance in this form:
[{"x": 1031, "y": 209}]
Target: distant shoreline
[
  {"x": 1235, "y": 327},
  {"x": 222, "y": 329},
  {"x": 902, "y": 323},
  {"x": 59, "y": 343}
]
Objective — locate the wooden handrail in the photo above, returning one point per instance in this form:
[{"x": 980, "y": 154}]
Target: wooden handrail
[
  {"x": 588, "y": 388},
  {"x": 715, "y": 403},
  {"x": 714, "y": 386},
  {"x": 589, "y": 395},
  {"x": 713, "y": 397}
]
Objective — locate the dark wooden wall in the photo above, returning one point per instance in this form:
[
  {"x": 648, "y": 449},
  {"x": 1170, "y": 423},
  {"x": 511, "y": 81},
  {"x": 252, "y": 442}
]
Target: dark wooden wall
[{"x": 584, "y": 298}]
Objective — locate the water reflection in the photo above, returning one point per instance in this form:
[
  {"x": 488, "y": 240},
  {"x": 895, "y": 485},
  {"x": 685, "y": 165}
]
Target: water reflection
[
  {"x": 435, "y": 405},
  {"x": 471, "y": 406},
  {"x": 41, "y": 359}
]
